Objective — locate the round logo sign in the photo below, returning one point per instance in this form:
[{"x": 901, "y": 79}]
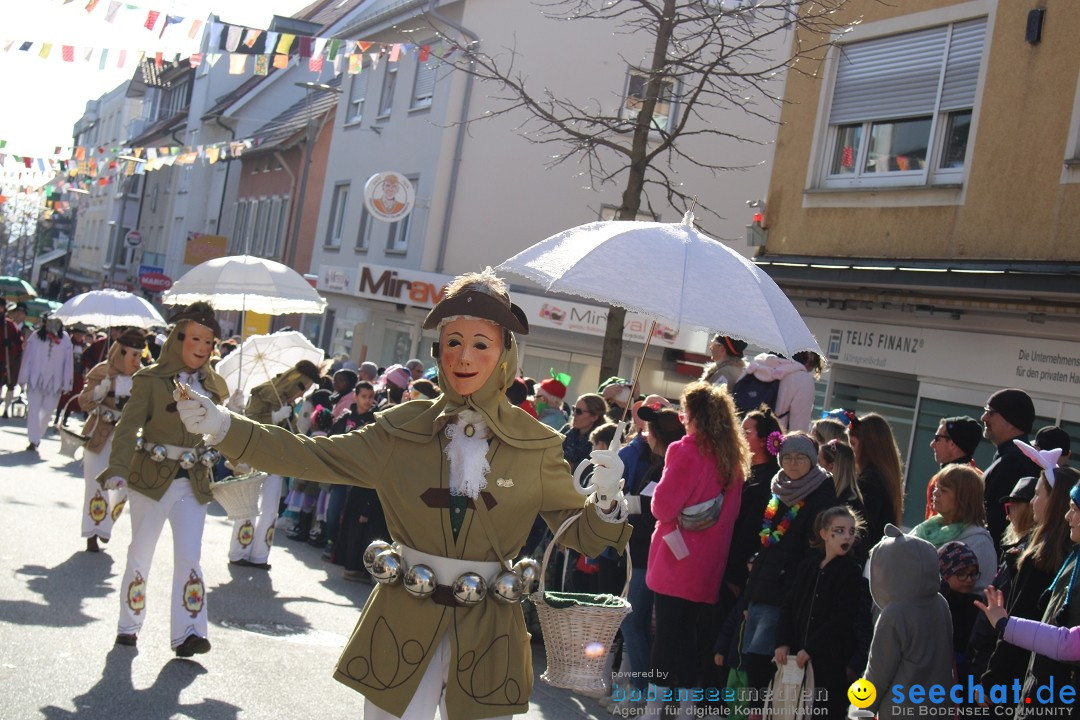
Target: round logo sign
[
  {"x": 133, "y": 238},
  {"x": 155, "y": 282},
  {"x": 389, "y": 196}
]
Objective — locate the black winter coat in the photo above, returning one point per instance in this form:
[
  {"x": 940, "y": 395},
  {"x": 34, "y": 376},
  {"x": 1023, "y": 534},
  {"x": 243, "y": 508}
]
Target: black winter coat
[{"x": 775, "y": 566}]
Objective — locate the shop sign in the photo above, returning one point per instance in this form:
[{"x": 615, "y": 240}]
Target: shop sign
[
  {"x": 152, "y": 279},
  {"x": 336, "y": 278},
  {"x": 389, "y": 196},
  {"x": 1032, "y": 364}
]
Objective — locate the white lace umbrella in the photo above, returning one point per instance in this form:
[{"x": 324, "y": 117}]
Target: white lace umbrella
[
  {"x": 672, "y": 273},
  {"x": 265, "y": 356},
  {"x": 110, "y": 308},
  {"x": 248, "y": 284}
]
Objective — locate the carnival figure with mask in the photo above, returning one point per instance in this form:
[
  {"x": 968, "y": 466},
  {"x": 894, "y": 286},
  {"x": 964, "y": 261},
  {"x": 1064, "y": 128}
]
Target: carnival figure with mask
[
  {"x": 103, "y": 397},
  {"x": 460, "y": 479},
  {"x": 167, "y": 470}
]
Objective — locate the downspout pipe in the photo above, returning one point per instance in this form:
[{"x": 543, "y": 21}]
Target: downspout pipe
[
  {"x": 459, "y": 142},
  {"x": 225, "y": 185}
]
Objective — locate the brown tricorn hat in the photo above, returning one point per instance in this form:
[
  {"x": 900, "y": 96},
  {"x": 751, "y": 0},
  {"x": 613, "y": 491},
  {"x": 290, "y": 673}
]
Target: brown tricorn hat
[
  {"x": 133, "y": 338},
  {"x": 200, "y": 312},
  {"x": 482, "y": 302}
]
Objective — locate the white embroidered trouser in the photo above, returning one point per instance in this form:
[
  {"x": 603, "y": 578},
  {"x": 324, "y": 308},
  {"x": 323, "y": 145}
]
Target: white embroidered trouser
[
  {"x": 40, "y": 406},
  {"x": 430, "y": 694},
  {"x": 101, "y": 508},
  {"x": 186, "y": 516},
  {"x": 252, "y": 537}
]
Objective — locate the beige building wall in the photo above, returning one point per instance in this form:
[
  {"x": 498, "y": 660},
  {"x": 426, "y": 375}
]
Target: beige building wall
[{"x": 1021, "y": 196}]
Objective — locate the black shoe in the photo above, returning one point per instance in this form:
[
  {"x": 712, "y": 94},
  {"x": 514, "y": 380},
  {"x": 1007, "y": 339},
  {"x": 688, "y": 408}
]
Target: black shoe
[
  {"x": 32, "y": 447},
  {"x": 192, "y": 645},
  {"x": 91, "y": 544},
  {"x": 247, "y": 563},
  {"x": 128, "y": 639},
  {"x": 318, "y": 535}
]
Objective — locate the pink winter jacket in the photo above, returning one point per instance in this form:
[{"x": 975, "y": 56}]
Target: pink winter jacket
[{"x": 690, "y": 478}]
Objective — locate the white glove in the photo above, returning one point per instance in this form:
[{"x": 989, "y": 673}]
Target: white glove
[
  {"x": 607, "y": 477},
  {"x": 236, "y": 401},
  {"x": 101, "y": 390},
  {"x": 280, "y": 414},
  {"x": 201, "y": 416},
  {"x": 115, "y": 483}
]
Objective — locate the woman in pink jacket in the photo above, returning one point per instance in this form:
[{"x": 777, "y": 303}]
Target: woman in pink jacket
[{"x": 695, "y": 505}]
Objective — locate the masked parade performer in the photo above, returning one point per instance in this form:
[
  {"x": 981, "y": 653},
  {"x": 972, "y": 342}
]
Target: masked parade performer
[
  {"x": 459, "y": 478},
  {"x": 46, "y": 372},
  {"x": 168, "y": 472},
  {"x": 270, "y": 403},
  {"x": 103, "y": 397}
]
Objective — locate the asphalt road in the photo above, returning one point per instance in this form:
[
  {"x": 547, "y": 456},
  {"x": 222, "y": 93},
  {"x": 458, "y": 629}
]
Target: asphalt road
[{"x": 276, "y": 635}]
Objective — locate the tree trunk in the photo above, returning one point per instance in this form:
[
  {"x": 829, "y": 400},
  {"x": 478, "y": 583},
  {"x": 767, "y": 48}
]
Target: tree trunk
[{"x": 635, "y": 180}]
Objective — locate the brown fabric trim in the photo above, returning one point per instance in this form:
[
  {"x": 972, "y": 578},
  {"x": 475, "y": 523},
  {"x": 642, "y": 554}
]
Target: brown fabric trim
[
  {"x": 444, "y": 595},
  {"x": 440, "y": 498}
]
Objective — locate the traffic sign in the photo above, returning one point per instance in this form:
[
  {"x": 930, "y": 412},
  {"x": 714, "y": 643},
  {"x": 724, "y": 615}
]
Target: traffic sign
[{"x": 133, "y": 239}]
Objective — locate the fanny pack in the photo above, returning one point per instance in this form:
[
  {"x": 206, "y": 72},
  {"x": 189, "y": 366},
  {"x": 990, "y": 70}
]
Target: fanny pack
[{"x": 701, "y": 516}]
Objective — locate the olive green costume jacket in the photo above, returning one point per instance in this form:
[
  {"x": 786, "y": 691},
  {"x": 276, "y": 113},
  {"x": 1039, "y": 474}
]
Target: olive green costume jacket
[
  {"x": 152, "y": 409},
  {"x": 402, "y": 456}
]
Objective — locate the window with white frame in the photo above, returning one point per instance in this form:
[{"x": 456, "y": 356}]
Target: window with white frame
[
  {"x": 262, "y": 213},
  {"x": 424, "y": 83},
  {"x": 902, "y": 107},
  {"x": 386, "y": 97},
  {"x": 637, "y": 83},
  {"x": 363, "y": 236},
  {"x": 358, "y": 87},
  {"x": 337, "y": 215},
  {"x": 397, "y": 242},
  {"x": 275, "y": 233}
]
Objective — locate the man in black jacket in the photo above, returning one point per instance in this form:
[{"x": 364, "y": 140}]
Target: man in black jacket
[{"x": 1008, "y": 415}]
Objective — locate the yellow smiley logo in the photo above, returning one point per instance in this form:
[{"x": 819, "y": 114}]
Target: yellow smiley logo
[{"x": 862, "y": 693}]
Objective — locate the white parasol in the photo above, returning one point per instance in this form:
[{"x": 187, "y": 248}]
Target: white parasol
[
  {"x": 248, "y": 284},
  {"x": 110, "y": 308},
  {"x": 672, "y": 273},
  {"x": 265, "y": 356}
]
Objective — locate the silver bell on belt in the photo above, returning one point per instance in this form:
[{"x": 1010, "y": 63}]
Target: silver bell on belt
[
  {"x": 187, "y": 459},
  {"x": 139, "y": 443},
  {"x": 372, "y": 550},
  {"x": 469, "y": 589},
  {"x": 529, "y": 572},
  {"x": 387, "y": 567},
  {"x": 210, "y": 458},
  {"x": 506, "y": 588},
  {"x": 157, "y": 453},
  {"x": 420, "y": 581}
]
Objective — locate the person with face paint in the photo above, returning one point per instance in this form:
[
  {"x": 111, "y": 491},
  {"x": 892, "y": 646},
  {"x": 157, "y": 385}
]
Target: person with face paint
[
  {"x": 46, "y": 372},
  {"x": 270, "y": 402},
  {"x": 459, "y": 479},
  {"x": 815, "y": 621},
  {"x": 167, "y": 472},
  {"x": 106, "y": 392}
]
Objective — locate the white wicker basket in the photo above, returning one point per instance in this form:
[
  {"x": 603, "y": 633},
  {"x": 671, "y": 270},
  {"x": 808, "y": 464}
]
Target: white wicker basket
[
  {"x": 239, "y": 495},
  {"x": 70, "y": 441},
  {"x": 578, "y": 637}
]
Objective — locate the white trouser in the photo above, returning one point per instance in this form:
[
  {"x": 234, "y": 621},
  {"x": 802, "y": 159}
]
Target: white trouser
[
  {"x": 430, "y": 694},
  {"x": 186, "y": 516},
  {"x": 252, "y": 537},
  {"x": 40, "y": 406},
  {"x": 101, "y": 508}
]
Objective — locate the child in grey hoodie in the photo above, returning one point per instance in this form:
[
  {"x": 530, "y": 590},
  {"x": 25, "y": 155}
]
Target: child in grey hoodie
[{"x": 913, "y": 636}]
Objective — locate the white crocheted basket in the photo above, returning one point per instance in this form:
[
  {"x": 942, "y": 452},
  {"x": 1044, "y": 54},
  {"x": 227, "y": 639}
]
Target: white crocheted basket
[{"x": 239, "y": 495}]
